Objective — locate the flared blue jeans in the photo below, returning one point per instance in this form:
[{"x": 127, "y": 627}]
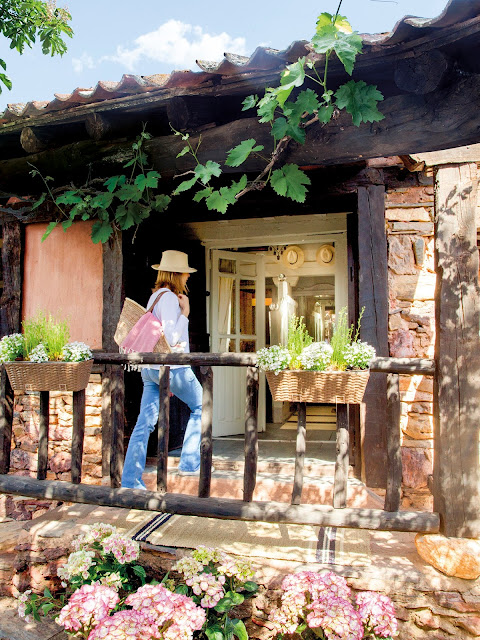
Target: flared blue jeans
[{"x": 184, "y": 385}]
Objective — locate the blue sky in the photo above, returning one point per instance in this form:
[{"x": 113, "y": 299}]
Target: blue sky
[{"x": 113, "y": 37}]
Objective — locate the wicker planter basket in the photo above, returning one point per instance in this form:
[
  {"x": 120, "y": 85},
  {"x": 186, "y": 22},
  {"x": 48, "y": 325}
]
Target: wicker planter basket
[
  {"x": 346, "y": 387},
  {"x": 48, "y": 376}
]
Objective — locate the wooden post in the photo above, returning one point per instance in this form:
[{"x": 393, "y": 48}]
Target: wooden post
[
  {"x": 342, "y": 458},
  {"x": 456, "y": 394},
  {"x": 118, "y": 426},
  {"x": 206, "y": 444},
  {"x": 300, "y": 448},
  {"x": 78, "y": 434},
  {"x": 373, "y": 295},
  {"x": 163, "y": 428},
  {"x": 12, "y": 264},
  {"x": 251, "y": 435},
  {"x": 113, "y": 378},
  {"x": 6, "y": 420},
  {"x": 106, "y": 421},
  {"x": 44, "y": 418},
  {"x": 394, "y": 454}
]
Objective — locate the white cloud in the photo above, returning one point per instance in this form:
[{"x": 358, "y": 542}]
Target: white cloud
[
  {"x": 179, "y": 45},
  {"x": 84, "y": 62}
]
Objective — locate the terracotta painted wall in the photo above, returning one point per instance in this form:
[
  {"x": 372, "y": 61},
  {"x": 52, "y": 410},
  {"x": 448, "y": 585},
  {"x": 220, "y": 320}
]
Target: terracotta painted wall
[{"x": 64, "y": 275}]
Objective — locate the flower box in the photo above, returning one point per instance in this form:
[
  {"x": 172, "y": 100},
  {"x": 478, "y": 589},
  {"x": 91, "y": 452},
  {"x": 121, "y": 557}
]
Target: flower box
[
  {"x": 331, "y": 387},
  {"x": 48, "y": 376}
]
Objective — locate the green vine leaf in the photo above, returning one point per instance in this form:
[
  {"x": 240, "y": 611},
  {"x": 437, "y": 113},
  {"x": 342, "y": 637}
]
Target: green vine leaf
[
  {"x": 326, "y": 19},
  {"x": 114, "y": 182},
  {"x": 50, "y": 227},
  {"x": 306, "y": 102},
  {"x": 128, "y": 192},
  {"x": 205, "y": 171},
  {"x": 360, "y": 100},
  {"x": 69, "y": 197},
  {"x": 266, "y": 107},
  {"x": 240, "y": 153},
  {"x": 249, "y": 103},
  {"x": 345, "y": 45},
  {"x": 101, "y": 231},
  {"x": 161, "y": 202},
  {"x": 281, "y": 128},
  {"x": 183, "y": 152},
  {"x": 40, "y": 201},
  {"x": 149, "y": 181},
  {"x": 220, "y": 200},
  {"x": 102, "y": 200},
  {"x": 204, "y": 193},
  {"x": 325, "y": 114},
  {"x": 185, "y": 185},
  {"x": 293, "y": 76},
  {"x": 289, "y": 181}
]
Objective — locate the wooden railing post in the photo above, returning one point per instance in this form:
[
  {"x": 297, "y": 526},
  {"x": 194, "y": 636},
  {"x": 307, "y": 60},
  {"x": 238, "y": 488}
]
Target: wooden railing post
[
  {"x": 456, "y": 390},
  {"x": 251, "y": 435},
  {"x": 300, "y": 448},
  {"x": 342, "y": 458},
  {"x": 206, "y": 444},
  {"x": 78, "y": 434},
  {"x": 163, "y": 428},
  {"x": 118, "y": 426},
  {"x": 394, "y": 454},
  {"x": 6, "y": 420},
  {"x": 44, "y": 419}
]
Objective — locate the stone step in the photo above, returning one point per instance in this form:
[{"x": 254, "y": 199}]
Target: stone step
[{"x": 275, "y": 487}]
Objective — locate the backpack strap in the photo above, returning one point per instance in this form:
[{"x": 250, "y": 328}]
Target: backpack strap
[{"x": 155, "y": 301}]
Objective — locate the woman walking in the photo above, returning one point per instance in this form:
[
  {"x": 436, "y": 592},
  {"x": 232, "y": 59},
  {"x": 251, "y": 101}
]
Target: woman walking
[{"x": 172, "y": 310}]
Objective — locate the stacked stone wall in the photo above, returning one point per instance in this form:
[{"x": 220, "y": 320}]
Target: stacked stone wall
[
  {"x": 24, "y": 453},
  {"x": 409, "y": 224}
]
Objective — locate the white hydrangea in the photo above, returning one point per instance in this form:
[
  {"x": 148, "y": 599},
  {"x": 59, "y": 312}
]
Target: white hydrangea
[
  {"x": 38, "y": 354},
  {"x": 274, "y": 358},
  {"x": 76, "y": 352},
  {"x": 358, "y": 355},
  {"x": 11, "y": 347},
  {"x": 316, "y": 357}
]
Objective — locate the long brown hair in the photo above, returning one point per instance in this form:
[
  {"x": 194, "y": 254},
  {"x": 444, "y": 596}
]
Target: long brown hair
[{"x": 171, "y": 280}]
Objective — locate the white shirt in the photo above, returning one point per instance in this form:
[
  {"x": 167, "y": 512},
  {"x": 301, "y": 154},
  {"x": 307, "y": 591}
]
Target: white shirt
[{"x": 174, "y": 323}]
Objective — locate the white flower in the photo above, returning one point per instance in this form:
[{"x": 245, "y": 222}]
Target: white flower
[
  {"x": 358, "y": 355},
  {"x": 38, "y": 354},
  {"x": 11, "y": 347},
  {"x": 316, "y": 357},
  {"x": 274, "y": 358},
  {"x": 76, "y": 352}
]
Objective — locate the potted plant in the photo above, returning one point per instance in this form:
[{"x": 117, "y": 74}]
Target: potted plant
[
  {"x": 42, "y": 359},
  {"x": 308, "y": 371}
]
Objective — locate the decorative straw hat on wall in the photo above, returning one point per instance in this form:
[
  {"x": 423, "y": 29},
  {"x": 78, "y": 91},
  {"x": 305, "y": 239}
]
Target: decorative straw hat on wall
[{"x": 175, "y": 261}]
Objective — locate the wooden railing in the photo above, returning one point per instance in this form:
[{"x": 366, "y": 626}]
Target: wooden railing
[{"x": 391, "y": 518}]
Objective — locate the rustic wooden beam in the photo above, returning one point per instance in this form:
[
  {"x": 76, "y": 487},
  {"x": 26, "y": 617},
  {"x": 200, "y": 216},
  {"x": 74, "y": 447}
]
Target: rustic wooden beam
[
  {"x": 112, "y": 257},
  {"x": 421, "y": 74},
  {"x": 6, "y": 420},
  {"x": 456, "y": 393},
  {"x": 251, "y": 435},
  {"x": 192, "y": 359},
  {"x": 12, "y": 266},
  {"x": 206, "y": 443},
  {"x": 223, "y": 508},
  {"x": 300, "y": 448},
  {"x": 163, "y": 428},
  {"x": 185, "y": 113},
  {"x": 373, "y": 297},
  {"x": 78, "y": 434},
  {"x": 44, "y": 417},
  {"x": 32, "y": 141},
  {"x": 394, "y": 455},
  {"x": 98, "y": 126},
  {"x": 342, "y": 461},
  {"x": 414, "y": 366},
  {"x": 118, "y": 426}
]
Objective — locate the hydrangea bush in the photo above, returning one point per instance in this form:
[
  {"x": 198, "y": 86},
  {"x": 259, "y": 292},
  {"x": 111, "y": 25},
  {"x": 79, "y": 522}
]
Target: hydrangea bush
[
  {"x": 346, "y": 351},
  {"x": 321, "y": 605}
]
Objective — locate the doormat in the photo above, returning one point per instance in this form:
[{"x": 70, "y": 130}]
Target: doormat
[{"x": 294, "y": 542}]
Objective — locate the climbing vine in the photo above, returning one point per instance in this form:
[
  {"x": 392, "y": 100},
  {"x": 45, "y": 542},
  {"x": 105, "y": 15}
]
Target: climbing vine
[{"x": 125, "y": 200}]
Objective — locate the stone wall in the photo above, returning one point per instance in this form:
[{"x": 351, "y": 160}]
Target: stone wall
[
  {"x": 409, "y": 223},
  {"x": 23, "y": 460}
]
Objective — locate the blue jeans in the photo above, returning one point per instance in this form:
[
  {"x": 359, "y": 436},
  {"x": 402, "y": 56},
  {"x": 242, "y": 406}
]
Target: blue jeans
[{"x": 184, "y": 385}]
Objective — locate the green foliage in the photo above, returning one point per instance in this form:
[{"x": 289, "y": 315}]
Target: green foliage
[
  {"x": 360, "y": 100},
  {"x": 343, "y": 335},
  {"x": 44, "y": 329},
  {"x": 290, "y": 181},
  {"x": 240, "y": 153},
  {"x": 298, "y": 339},
  {"x": 24, "y": 21}
]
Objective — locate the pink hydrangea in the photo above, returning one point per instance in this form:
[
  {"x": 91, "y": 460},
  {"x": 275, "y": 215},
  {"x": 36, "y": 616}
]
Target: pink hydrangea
[
  {"x": 378, "y": 613},
  {"x": 125, "y": 625},
  {"x": 208, "y": 585},
  {"x": 336, "y": 617},
  {"x": 23, "y": 599},
  {"x": 177, "y": 615},
  {"x": 88, "y": 606},
  {"x": 124, "y": 549}
]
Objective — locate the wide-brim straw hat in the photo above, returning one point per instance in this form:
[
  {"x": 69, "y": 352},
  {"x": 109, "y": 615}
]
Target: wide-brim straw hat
[{"x": 175, "y": 261}]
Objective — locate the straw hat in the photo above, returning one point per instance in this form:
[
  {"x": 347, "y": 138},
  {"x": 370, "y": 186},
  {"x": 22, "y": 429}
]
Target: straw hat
[
  {"x": 175, "y": 261},
  {"x": 293, "y": 257}
]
